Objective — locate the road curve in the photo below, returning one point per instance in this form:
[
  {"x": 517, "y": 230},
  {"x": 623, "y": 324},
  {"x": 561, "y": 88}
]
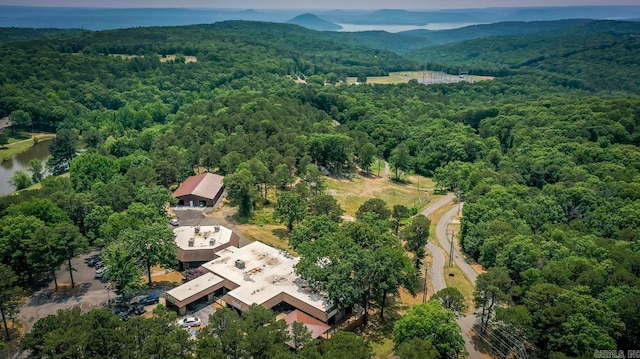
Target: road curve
[
  {"x": 441, "y": 234},
  {"x": 438, "y": 260},
  {"x": 437, "y": 272},
  {"x": 435, "y": 206},
  {"x": 437, "y": 265}
]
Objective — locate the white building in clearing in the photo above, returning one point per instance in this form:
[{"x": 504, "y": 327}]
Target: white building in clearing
[
  {"x": 198, "y": 245},
  {"x": 253, "y": 274}
]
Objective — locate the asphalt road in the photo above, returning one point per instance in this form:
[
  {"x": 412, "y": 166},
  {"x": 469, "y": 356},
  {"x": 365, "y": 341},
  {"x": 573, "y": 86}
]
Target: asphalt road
[
  {"x": 441, "y": 234},
  {"x": 466, "y": 323},
  {"x": 437, "y": 265}
]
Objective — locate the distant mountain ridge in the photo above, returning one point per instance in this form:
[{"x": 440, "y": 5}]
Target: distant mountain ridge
[
  {"x": 313, "y": 22},
  {"x": 111, "y": 18}
]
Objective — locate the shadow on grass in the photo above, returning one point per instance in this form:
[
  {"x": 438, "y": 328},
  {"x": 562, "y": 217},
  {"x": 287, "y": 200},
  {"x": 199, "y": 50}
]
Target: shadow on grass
[
  {"x": 400, "y": 181},
  {"x": 281, "y": 233},
  {"x": 378, "y": 329}
]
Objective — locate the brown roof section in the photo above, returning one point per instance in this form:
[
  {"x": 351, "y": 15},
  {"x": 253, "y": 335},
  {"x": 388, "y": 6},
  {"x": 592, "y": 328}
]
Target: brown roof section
[
  {"x": 205, "y": 185},
  {"x": 316, "y": 327}
]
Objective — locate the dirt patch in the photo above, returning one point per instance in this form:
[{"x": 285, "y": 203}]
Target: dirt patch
[{"x": 161, "y": 275}]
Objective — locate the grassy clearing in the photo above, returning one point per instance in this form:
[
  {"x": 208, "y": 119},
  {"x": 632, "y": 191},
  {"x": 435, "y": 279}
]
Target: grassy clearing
[
  {"x": 382, "y": 348},
  {"x": 273, "y": 235},
  {"x": 187, "y": 59},
  {"x": 427, "y": 76},
  {"x": 16, "y": 146},
  {"x": 166, "y": 58},
  {"x": 454, "y": 277},
  {"x": 39, "y": 184},
  {"x": 353, "y": 193},
  {"x": 377, "y": 168}
]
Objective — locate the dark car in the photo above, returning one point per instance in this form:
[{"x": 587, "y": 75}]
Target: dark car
[
  {"x": 137, "y": 310},
  {"x": 150, "y": 299},
  {"x": 92, "y": 261}
]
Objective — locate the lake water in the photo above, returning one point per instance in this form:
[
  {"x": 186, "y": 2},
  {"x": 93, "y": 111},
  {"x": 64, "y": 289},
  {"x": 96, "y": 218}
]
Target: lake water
[
  {"x": 400, "y": 28},
  {"x": 20, "y": 162}
]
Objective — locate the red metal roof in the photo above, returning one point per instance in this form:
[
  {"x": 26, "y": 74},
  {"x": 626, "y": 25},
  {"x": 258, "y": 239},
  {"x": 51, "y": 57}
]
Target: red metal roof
[
  {"x": 316, "y": 327},
  {"x": 205, "y": 185}
]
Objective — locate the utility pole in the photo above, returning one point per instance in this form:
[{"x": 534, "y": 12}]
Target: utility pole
[
  {"x": 424, "y": 293},
  {"x": 451, "y": 249}
]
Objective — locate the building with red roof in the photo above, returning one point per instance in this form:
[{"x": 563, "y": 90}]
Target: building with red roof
[{"x": 201, "y": 190}]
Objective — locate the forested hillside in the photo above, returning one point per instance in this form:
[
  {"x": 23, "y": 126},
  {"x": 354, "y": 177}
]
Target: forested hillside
[
  {"x": 597, "y": 55},
  {"x": 546, "y": 154}
]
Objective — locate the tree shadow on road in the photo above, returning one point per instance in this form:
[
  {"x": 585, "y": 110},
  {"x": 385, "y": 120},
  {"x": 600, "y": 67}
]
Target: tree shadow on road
[{"x": 63, "y": 294}]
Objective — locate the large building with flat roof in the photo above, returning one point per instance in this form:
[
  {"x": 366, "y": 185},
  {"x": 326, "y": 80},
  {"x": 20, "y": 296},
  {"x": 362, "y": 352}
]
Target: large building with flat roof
[
  {"x": 253, "y": 274},
  {"x": 199, "y": 244}
]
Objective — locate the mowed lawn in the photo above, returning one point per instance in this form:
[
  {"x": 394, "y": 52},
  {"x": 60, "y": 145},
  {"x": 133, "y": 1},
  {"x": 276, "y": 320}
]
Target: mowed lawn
[{"x": 16, "y": 146}]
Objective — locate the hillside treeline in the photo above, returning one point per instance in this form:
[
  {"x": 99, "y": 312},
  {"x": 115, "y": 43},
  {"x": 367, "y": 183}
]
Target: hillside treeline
[{"x": 547, "y": 155}]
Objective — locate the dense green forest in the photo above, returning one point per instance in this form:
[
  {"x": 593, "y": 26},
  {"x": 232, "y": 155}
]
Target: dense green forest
[{"x": 546, "y": 154}]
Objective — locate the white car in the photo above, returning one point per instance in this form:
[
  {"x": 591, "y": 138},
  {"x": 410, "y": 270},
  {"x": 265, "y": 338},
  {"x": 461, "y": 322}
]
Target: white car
[
  {"x": 189, "y": 322},
  {"x": 101, "y": 272},
  {"x": 174, "y": 222}
]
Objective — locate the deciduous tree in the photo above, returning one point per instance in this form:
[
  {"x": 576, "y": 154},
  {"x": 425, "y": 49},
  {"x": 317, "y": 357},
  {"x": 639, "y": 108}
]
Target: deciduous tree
[
  {"x": 450, "y": 298},
  {"x": 430, "y": 322},
  {"x": 20, "y": 180},
  {"x": 290, "y": 208},
  {"x": 36, "y": 169},
  {"x": 63, "y": 150},
  {"x": 491, "y": 290},
  {"x": 416, "y": 236},
  {"x": 9, "y": 296},
  {"x": 376, "y": 206},
  {"x": 327, "y": 205},
  {"x": 366, "y": 156}
]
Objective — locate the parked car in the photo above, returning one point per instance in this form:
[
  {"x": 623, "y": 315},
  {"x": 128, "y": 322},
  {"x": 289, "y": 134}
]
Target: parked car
[
  {"x": 91, "y": 261},
  {"x": 137, "y": 310},
  {"x": 174, "y": 222},
  {"x": 150, "y": 299},
  {"x": 189, "y": 322},
  {"x": 99, "y": 264},
  {"x": 137, "y": 299},
  {"x": 101, "y": 272}
]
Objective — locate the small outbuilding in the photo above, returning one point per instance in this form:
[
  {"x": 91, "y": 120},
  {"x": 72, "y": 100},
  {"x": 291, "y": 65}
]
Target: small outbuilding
[
  {"x": 5, "y": 123},
  {"x": 201, "y": 190}
]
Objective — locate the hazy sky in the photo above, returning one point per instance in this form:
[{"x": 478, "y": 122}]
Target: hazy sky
[{"x": 316, "y": 4}]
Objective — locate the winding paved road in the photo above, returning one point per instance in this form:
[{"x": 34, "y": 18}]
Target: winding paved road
[
  {"x": 441, "y": 234},
  {"x": 438, "y": 263}
]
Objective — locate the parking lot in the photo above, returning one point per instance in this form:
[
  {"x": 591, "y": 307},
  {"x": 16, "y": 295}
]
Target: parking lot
[{"x": 88, "y": 293}]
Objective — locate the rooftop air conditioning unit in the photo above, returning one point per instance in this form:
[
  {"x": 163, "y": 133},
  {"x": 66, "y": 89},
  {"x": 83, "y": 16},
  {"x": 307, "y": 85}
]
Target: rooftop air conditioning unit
[
  {"x": 212, "y": 241},
  {"x": 216, "y": 228},
  {"x": 240, "y": 264},
  {"x": 196, "y": 229},
  {"x": 192, "y": 241}
]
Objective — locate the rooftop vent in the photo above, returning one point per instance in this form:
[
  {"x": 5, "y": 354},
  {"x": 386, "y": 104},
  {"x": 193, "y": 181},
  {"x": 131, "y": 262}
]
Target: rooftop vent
[
  {"x": 191, "y": 242},
  {"x": 239, "y": 264}
]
